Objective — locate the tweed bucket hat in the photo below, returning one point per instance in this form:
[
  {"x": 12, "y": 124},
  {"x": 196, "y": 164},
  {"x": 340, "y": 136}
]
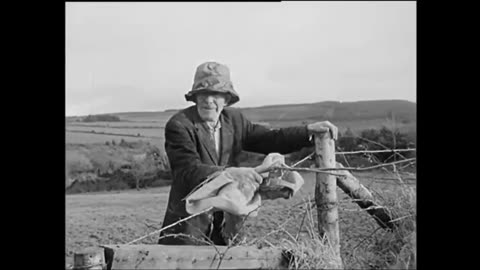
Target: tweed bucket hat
[{"x": 212, "y": 76}]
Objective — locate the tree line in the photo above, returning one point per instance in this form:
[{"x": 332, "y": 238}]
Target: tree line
[
  {"x": 369, "y": 139},
  {"x": 101, "y": 118}
]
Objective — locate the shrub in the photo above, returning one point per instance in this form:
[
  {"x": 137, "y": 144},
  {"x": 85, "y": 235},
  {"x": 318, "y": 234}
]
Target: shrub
[
  {"x": 117, "y": 165},
  {"x": 141, "y": 168},
  {"x": 121, "y": 180},
  {"x": 394, "y": 249},
  {"x": 100, "y": 160},
  {"x": 76, "y": 162},
  {"x": 347, "y": 142},
  {"x": 123, "y": 143},
  {"x": 369, "y": 139},
  {"x": 385, "y": 138},
  {"x": 313, "y": 252},
  {"x": 101, "y": 118}
]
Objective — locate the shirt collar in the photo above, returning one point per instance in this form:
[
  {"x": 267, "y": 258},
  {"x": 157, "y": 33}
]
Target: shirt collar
[{"x": 216, "y": 127}]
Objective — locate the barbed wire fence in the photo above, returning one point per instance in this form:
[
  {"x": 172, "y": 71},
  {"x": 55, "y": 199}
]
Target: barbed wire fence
[
  {"x": 305, "y": 207},
  {"x": 395, "y": 176}
]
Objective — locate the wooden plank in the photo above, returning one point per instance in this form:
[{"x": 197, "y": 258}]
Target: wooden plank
[
  {"x": 326, "y": 193},
  {"x": 193, "y": 257},
  {"x": 92, "y": 258}
]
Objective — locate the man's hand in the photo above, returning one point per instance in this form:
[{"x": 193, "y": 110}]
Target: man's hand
[
  {"x": 242, "y": 174},
  {"x": 271, "y": 160},
  {"x": 321, "y": 127}
]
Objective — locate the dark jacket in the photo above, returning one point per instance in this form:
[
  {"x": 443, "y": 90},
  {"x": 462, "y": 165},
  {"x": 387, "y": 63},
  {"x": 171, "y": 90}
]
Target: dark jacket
[{"x": 191, "y": 153}]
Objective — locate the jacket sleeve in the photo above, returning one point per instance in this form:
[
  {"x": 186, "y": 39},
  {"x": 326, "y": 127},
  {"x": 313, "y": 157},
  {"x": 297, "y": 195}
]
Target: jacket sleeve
[
  {"x": 184, "y": 159},
  {"x": 260, "y": 139}
]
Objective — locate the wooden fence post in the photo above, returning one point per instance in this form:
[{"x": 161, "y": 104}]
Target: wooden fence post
[{"x": 326, "y": 192}]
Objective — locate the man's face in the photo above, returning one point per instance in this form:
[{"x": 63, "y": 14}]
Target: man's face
[{"x": 210, "y": 105}]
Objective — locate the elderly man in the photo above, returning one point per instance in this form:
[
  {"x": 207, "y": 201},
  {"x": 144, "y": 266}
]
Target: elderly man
[{"x": 208, "y": 137}]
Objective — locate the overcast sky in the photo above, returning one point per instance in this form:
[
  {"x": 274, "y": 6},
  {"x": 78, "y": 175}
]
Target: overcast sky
[{"x": 142, "y": 56}]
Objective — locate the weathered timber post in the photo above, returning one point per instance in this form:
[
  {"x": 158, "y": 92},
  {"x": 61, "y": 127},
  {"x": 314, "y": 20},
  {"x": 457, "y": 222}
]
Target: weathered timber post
[
  {"x": 193, "y": 257},
  {"x": 364, "y": 198},
  {"x": 92, "y": 258},
  {"x": 326, "y": 193}
]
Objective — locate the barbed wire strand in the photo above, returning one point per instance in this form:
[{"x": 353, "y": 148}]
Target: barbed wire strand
[
  {"x": 291, "y": 168},
  {"x": 377, "y": 143},
  {"x": 191, "y": 216},
  {"x": 169, "y": 226},
  {"x": 348, "y": 168},
  {"x": 376, "y": 151}
]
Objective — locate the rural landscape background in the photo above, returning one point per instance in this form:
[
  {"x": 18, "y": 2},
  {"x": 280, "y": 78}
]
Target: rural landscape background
[{"x": 117, "y": 178}]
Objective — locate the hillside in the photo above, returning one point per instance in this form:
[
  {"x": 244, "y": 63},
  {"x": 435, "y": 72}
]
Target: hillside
[
  {"x": 335, "y": 111},
  {"x": 404, "y": 111},
  {"x": 98, "y": 150}
]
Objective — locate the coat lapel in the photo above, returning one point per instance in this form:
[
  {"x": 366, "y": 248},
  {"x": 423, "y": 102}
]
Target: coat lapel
[
  {"x": 205, "y": 138},
  {"x": 208, "y": 142}
]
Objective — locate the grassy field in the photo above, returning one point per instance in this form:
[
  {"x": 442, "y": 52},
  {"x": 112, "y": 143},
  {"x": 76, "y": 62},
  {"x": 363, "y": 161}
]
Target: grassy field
[
  {"x": 149, "y": 128},
  {"x": 121, "y": 124},
  {"x": 143, "y": 132},
  {"x": 119, "y": 217},
  {"x": 91, "y": 138},
  {"x": 92, "y": 132}
]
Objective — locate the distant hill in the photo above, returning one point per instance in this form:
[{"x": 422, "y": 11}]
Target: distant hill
[
  {"x": 335, "y": 111},
  {"x": 286, "y": 114}
]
